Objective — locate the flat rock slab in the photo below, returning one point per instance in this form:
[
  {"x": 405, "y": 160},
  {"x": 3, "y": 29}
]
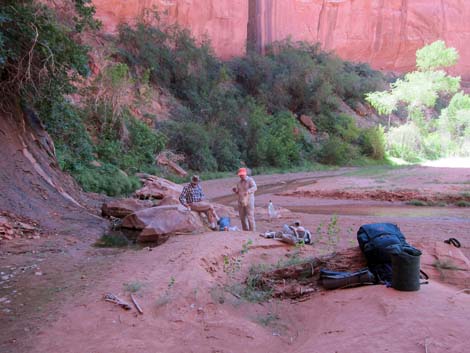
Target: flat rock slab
[{"x": 158, "y": 222}]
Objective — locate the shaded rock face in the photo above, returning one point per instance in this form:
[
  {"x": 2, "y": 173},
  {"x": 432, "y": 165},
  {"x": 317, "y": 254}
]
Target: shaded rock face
[
  {"x": 124, "y": 207},
  {"x": 385, "y": 33},
  {"x": 157, "y": 222},
  {"x": 32, "y": 184}
]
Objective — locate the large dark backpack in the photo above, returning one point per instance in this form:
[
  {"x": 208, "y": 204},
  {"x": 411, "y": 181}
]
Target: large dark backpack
[{"x": 378, "y": 241}]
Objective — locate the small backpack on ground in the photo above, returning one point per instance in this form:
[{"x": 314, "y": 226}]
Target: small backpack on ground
[{"x": 224, "y": 223}]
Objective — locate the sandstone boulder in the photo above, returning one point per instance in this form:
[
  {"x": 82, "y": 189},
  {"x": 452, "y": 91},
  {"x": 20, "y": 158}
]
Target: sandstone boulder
[
  {"x": 158, "y": 222},
  {"x": 157, "y": 188},
  {"x": 169, "y": 200},
  {"x": 124, "y": 207},
  {"x": 308, "y": 123},
  {"x": 164, "y": 159}
]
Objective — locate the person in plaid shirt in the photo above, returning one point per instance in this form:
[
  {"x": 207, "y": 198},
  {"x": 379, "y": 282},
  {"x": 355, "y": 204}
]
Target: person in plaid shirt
[{"x": 193, "y": 198}]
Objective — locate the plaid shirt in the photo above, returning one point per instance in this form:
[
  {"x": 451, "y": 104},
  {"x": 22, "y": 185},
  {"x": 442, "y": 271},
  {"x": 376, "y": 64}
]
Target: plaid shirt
[{"x": 191, "y": 193}]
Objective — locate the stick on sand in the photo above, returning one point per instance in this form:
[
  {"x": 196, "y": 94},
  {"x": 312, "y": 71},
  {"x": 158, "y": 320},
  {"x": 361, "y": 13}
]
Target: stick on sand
[{"x": 136, "y": 304}]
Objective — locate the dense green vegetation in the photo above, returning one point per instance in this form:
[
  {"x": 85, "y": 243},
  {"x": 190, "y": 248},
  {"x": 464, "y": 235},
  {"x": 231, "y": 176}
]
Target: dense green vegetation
[
  {"x": 438, "y": 114},
  {"x": 227, "y": 113},
  {"x": 245, "y": 109}
]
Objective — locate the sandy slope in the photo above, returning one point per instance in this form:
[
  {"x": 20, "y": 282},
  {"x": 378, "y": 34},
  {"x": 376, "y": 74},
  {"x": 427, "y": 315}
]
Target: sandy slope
[
  {"x": 188, "y": 316},
  {"x": 186, "y": 309}
]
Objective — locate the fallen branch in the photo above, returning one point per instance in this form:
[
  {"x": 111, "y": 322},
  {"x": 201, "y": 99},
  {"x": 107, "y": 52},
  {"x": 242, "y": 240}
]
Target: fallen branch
[
  {"x": 136, "y": 304},
  {"x": 114, "y": 299}
]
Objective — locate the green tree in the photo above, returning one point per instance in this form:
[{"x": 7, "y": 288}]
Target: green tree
[
  {"x": 420, "y": 89},
  {"x": 418, "y": 92}
]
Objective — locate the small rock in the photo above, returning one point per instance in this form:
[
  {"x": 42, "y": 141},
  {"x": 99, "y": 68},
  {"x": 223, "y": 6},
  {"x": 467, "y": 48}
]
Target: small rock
[
  {"x": 96, "y": 164},
  {"x": 4, "y": 278},
  {"x": 38, "y": 273}
]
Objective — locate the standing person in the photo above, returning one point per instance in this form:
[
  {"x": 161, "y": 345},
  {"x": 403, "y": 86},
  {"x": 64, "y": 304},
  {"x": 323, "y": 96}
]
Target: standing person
[
  {"x": 193, "y": 198},
  {"x": 245, "y": 189}
]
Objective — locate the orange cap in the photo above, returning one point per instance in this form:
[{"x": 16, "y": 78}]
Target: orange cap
[{"x": 242, "y": 171}]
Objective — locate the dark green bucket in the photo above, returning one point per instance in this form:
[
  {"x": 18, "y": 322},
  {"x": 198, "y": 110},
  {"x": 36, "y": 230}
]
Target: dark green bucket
[{"x": 405, "y": 269}]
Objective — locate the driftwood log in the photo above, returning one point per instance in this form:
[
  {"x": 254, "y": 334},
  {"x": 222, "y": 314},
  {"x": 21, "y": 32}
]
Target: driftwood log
[{"x": 302, "y": 278}]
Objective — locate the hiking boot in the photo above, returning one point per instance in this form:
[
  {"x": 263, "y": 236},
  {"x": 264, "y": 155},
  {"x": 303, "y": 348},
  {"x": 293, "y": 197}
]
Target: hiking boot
[{"x": 213, "y": 226}]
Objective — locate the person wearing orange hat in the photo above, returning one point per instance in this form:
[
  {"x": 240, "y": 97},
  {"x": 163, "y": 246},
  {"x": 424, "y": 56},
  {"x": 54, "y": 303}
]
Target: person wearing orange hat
[{"x": 245, "y": 189}]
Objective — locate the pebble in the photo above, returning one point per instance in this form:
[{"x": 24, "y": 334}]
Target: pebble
[
  {"x": 38, "y": 273},
  {"x": 4, "y": 278}
]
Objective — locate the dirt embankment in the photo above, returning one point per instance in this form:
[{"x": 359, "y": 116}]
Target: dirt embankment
[{"x": 31, "y": 183}]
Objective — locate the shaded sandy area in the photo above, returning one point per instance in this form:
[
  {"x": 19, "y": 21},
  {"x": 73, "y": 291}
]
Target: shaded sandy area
[{"x": 189, "y": 287}]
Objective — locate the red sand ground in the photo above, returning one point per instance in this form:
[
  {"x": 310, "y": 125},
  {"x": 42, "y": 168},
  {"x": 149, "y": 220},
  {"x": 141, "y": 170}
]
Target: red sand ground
[{"x": 180, "y": 282}]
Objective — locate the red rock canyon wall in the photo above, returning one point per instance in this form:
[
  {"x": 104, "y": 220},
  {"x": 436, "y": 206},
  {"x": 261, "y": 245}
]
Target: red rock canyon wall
[{"x": 385, "y": 33}]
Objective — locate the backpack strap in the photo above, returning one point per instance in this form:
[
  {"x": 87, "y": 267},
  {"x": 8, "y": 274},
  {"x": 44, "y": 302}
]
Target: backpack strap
[{"x": 453, "y": 241}]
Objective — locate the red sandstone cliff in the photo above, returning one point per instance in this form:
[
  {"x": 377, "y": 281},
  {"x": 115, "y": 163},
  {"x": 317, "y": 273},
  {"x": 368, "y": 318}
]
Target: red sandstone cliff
[
  {"x": 223, "y": 21},
  {"x": 385, "y": 33}
]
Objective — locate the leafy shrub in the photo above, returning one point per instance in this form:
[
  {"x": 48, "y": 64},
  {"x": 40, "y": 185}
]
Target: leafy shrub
[
  {"x": 134, "y": 153},
  {"x": 193, "y": 141},
  {"x": 64, "y": 123},
  {"x": 372, "y": 142},
  {"x": 143, "y": 145},
  {"x": 337, "y": 152},
  {"x": 108, "y": 179},
  {"x": 224, "y": 150},
  {"x": 301, "y": 78},
  {"x": 39, "y": 59},
  {"x": 174, "y": 59},
  {"x": 115, "y": 240},
  {"x": 345, "y": 127},
  {"x": 417, "y": 203},
  {"x": 282, "y": 149},
  {"x": 405, "y": 142}
]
